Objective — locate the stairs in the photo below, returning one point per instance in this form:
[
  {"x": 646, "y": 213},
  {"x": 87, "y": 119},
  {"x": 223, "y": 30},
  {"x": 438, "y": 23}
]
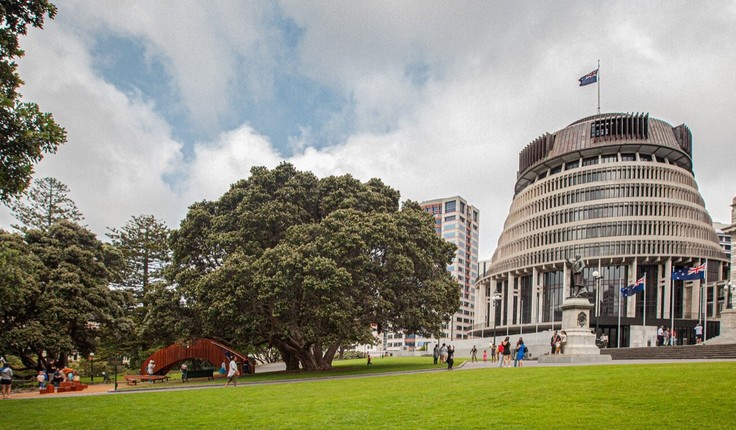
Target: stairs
[{"x": 685, "y": 352}]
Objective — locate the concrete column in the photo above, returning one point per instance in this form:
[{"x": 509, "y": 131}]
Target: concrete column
[
  {"x": 667, "y": 305},
  {"x": 509, "y": 306},
  {"x": 535, "y": 299}
]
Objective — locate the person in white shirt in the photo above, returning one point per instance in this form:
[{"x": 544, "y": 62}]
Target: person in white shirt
[{"x": 232, "y": 373}]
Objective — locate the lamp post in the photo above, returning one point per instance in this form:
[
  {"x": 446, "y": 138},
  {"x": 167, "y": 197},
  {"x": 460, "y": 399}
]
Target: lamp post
[
  {"x": 92, "y": 367},
  {"x": 495, "y": 299},
  {"x": 597, "y": 276}
]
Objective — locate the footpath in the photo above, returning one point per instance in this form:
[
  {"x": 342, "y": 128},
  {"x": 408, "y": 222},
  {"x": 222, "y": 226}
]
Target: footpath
[{"x": 103, "y": 389}]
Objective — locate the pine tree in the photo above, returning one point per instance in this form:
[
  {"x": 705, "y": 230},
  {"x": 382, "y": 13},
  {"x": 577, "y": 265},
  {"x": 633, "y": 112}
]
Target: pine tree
[
  {"x": 144, "y": 244},
  {"x": 46, "y": 203}
]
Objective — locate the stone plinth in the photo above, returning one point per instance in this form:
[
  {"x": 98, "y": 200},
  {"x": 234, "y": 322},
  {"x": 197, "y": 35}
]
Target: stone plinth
[
  {"x": 580, "y": 346},
  {"x": 728, "y": 321}
]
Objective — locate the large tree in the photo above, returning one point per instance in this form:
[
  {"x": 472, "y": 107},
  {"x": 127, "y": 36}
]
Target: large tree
[
  {"x": 307, "y": 265},
  {"x": 26, "y": 133},
  {"x": 58, "y": 300},
  {"x": 46, "y": 203},
  {"x": 144, "y": 244}
]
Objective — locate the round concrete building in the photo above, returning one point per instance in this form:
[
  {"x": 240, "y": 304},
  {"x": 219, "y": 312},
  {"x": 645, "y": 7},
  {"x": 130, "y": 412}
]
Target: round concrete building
[{"x": 618, "y": 191}]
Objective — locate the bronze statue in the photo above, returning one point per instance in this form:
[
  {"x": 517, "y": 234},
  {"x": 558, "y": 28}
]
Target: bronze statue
[{"x": 577, "y": 287}]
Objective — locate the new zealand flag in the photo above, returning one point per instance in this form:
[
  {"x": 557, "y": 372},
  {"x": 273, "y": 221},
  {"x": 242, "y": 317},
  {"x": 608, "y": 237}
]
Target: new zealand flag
[{"x": 590, "y": 78}]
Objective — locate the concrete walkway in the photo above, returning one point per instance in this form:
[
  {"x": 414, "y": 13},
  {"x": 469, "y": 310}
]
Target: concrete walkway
[{"x": 107, "y": 389}]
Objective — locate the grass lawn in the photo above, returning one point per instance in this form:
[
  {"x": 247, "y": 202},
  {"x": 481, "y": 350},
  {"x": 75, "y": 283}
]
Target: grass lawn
[
  {"x": 671, "y": 396},
  {"x": 341, "y": 368}
]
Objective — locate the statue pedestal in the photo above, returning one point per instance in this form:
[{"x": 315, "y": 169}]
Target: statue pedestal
[
  {"x": 580, "y": 346},
  {"x": 728, "y": 321}
]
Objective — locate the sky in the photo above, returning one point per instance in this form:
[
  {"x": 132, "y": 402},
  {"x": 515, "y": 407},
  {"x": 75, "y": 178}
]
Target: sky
[{"x": 167, "y": 103}]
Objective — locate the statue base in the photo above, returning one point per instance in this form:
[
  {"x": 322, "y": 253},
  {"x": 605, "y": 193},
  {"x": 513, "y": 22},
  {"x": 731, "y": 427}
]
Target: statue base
[{"x": 580, "y": 346}]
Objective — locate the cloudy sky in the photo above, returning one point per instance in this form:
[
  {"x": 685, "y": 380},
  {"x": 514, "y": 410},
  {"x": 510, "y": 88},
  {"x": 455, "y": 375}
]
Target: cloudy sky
[{"x": 168, "y": 102}]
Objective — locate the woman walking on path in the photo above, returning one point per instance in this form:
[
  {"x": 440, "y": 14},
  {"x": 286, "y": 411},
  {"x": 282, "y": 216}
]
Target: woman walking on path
[
  {"x": 6, "y": 379},
  {"x": 232, "y": 374}
]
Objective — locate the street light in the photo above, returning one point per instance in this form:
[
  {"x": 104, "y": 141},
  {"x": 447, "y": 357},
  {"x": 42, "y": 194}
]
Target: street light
[
  {"x": 597, "y": 276},
  {"x": 92, "y": 367},
  {"x": 496, "y": 298}
]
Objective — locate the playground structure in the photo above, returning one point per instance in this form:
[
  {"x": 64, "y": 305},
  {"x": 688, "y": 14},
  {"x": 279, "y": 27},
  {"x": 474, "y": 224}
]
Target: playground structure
[{"x": 202, "y": 349}]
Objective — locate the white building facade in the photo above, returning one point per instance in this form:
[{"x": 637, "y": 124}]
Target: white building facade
[{"x": 618, "y": 190}]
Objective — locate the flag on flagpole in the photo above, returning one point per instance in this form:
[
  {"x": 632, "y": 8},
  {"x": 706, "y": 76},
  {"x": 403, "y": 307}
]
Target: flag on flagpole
[
  {"x": 590, "y": 78},
  {"x": 689, "y": 273},
  {"x": 633, "y": 289}
]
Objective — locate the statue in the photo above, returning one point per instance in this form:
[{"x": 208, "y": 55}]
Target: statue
[{"x": 577, "y": 287}]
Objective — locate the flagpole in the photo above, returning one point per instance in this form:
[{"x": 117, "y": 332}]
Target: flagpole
[
  {"x": 598, "y": 80},
  {"x": 705, "y": 326},
  {"x": 618, "y": 330},
  {"x": 672, "y": 308}
]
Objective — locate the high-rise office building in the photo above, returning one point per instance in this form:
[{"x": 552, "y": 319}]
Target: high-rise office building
[{"x": 457, "y": 222}]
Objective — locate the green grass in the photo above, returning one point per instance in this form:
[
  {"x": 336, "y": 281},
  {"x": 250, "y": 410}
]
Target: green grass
[
  {"x": 671, "y": 396},
  {"x": 341, "y": 368}
]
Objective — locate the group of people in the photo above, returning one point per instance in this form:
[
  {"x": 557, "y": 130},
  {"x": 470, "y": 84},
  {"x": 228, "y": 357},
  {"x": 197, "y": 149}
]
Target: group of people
[
  {"x": 666, "y": 336},
  {"x": 505, "y": 352},
  {"x": 445, "y": 355},
  {"x": 557, "y": 342}
]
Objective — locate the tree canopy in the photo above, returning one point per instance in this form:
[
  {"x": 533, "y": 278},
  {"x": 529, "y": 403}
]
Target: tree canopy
[
  {"x": 307, "y": 265},
  {"x": 26, "y": 133},
  {"x": 56, "y": 299},
  {"x": 46, "y": 203},
  {"x": 144, "y": 244}
]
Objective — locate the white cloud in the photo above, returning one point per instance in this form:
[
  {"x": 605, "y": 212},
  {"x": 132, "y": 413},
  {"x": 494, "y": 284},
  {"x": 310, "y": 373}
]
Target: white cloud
[{"x": 444, "y": 98}]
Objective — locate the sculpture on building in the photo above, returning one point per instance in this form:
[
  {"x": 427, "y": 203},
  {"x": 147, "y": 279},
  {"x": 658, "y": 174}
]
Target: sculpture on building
[{"x": 577, "y": 286}]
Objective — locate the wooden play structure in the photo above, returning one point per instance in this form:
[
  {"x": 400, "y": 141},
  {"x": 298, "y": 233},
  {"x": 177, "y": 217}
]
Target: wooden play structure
[{"x": 202, "y": 349}]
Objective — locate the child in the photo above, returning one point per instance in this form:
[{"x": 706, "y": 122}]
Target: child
[
  {"x": 485, "y": 355},
  {"x": 41, "y": 378}
]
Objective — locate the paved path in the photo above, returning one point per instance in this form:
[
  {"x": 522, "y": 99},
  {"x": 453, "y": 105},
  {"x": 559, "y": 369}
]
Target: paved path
[{"x": 102, "y": 389}]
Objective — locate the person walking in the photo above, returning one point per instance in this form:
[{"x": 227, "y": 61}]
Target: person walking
[
  {"x": 473, "y": 354},
  {"x": 499, "y": 353},
  {"x": 450, "y": 356},
  {"x": 493, "y": 352},
  {"x": 232, "y": 373},
  {"x": 6, "y": 379},
  {"x": 443, "y": 353},
  {"x": 506, "y": 352},
  {"x": 660, "y": 336},
  {"x": 485, "y": 356},
  {"x": 436, "y": 353}
]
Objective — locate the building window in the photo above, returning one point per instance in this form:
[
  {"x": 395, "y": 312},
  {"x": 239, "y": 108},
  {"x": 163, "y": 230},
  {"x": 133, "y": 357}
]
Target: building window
[
  {"x": 451, "y": 206},
  {"x": 590, "y": 161}
]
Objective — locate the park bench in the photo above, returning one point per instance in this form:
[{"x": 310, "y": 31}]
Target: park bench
[
  {"x": 135, "y": 379},
  {"x": 201, "y": 373}
]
